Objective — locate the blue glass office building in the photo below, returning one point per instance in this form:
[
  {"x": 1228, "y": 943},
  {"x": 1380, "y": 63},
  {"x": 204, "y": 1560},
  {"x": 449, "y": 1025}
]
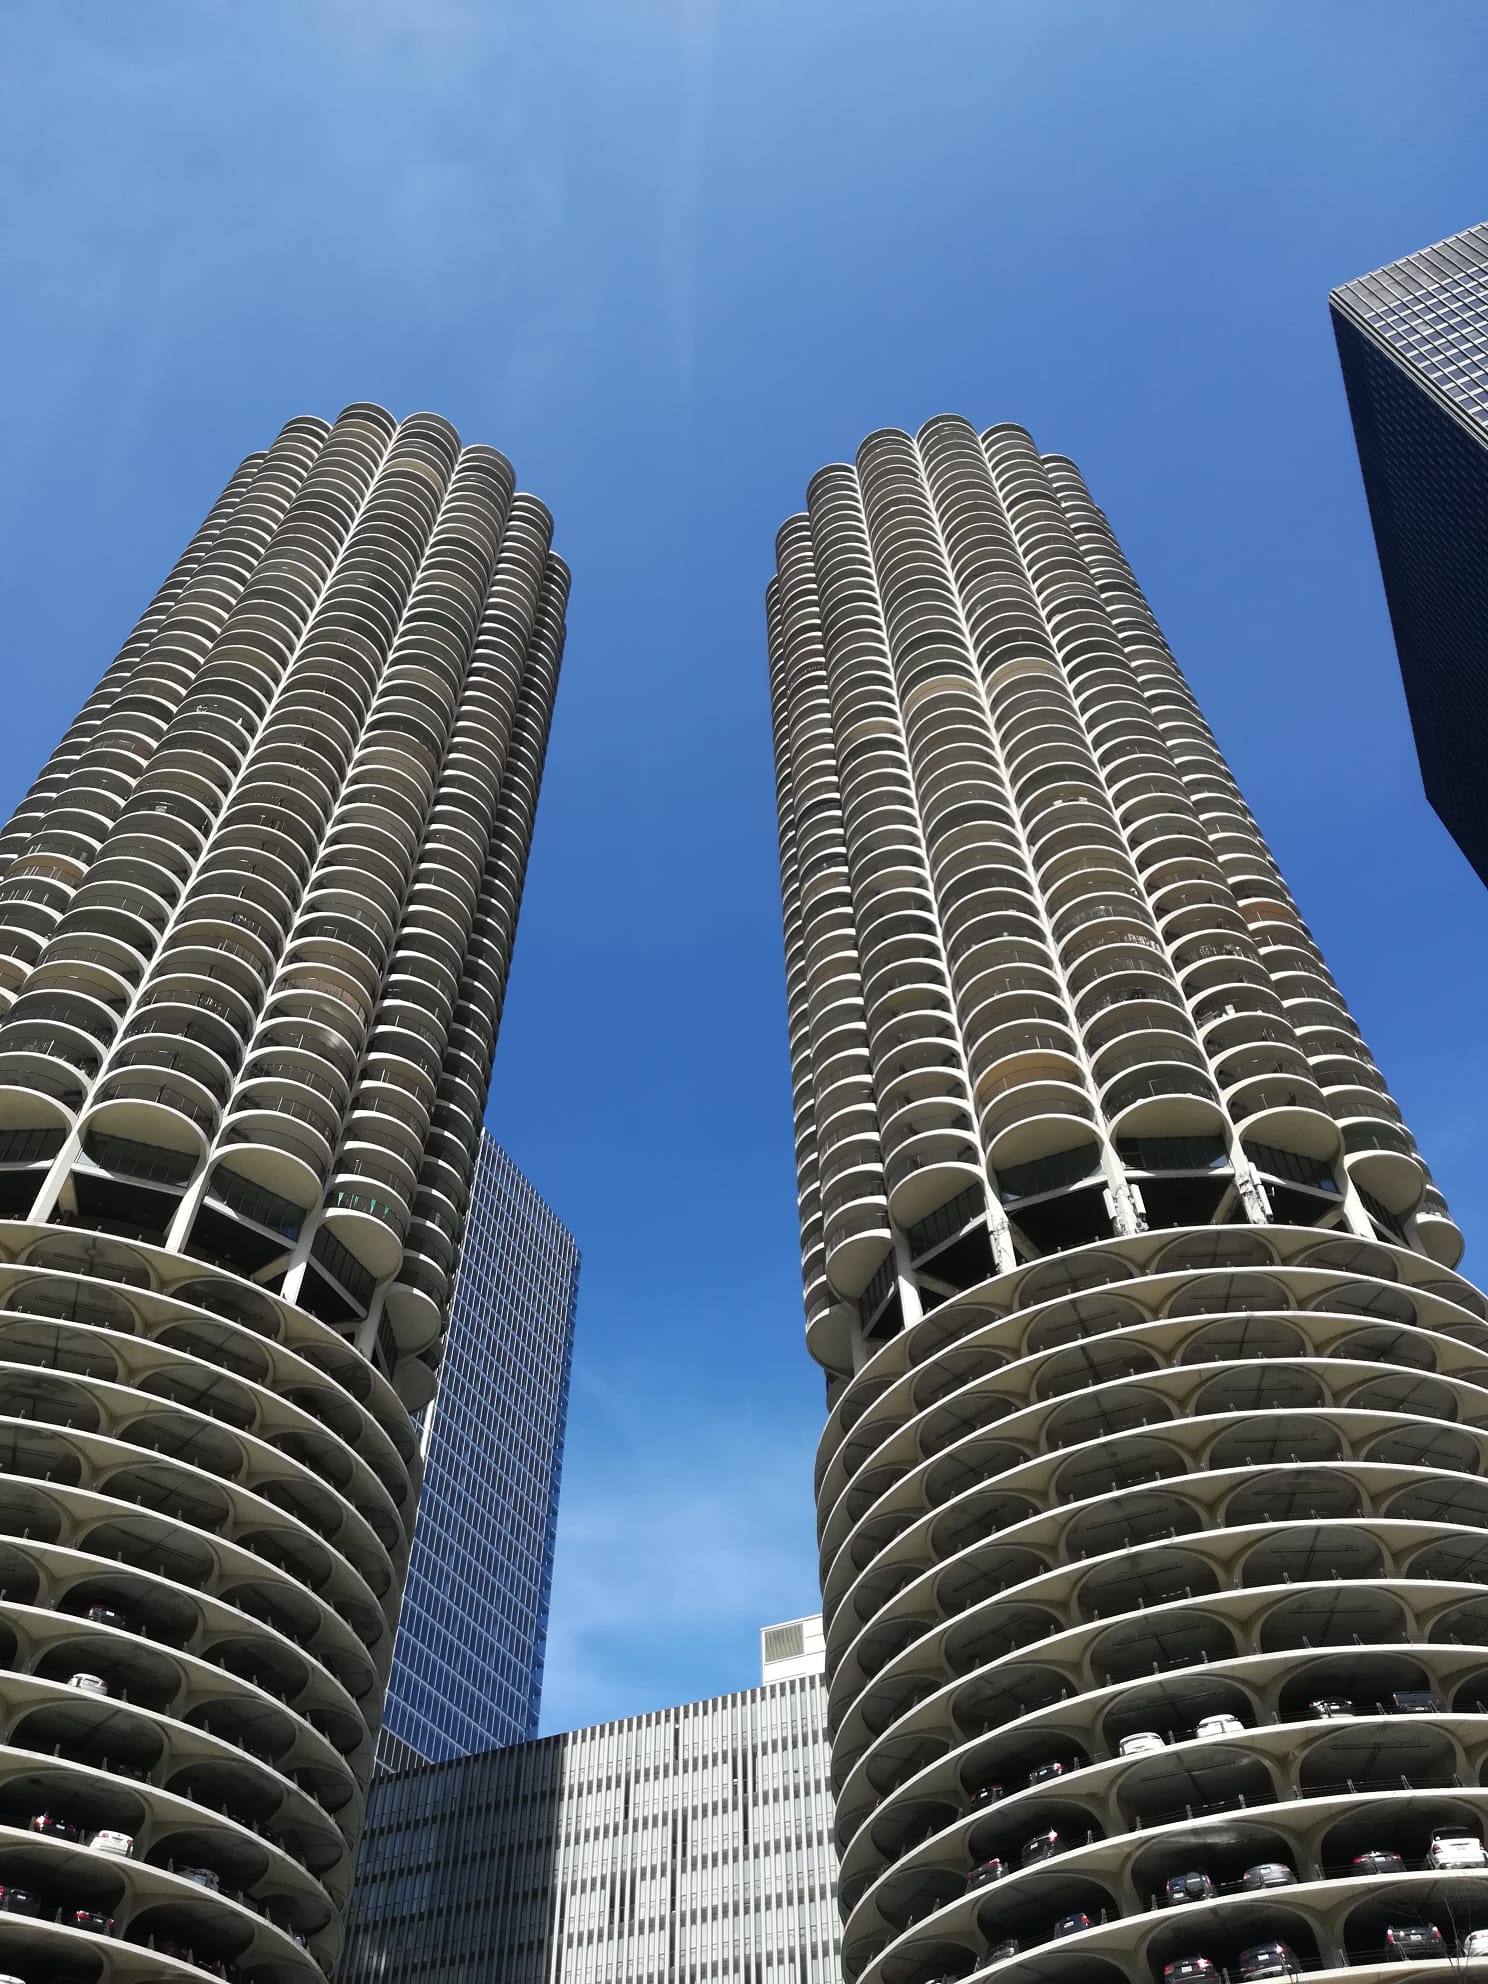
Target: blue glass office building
[
  {"x": 467, "y": 1671},
  {"x": 1413, "y": 341}
]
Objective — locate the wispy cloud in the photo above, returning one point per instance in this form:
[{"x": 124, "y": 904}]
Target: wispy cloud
[
  {"x": 355, "y": 158},
  {"x": 675, "y": 1544},
  {"x": 698, "y": 32}
]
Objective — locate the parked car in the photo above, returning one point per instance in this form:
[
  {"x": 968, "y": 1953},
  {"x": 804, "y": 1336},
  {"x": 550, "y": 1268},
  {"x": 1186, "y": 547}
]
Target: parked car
[
  {"x": 203, "y": 1877},
  {"x": 1377, "y": 1861},
  {"x": 989, "y": 1870},
  {"x": 1456, "y": 1846},
  {"x": 19, "y": 1901},
  {"x": 988, "y": 1795},
  {"x": 92, "y": 1919},
  {"x": 1041, "y": 1773},
  {"x": 1219, "y": 1725},
  {"x": 53, "y": 1827},
  {"x": 136, "y": 1773},
  {"x": 1407, "y": 1939},
  {"x": 1043, "y": 1846},
  {"x": 88, "y": 1684},
  {"x": 1006, "y": 1948},
  {"x": 119, "y": 1844},
  {"x": 1142, "y": 1743},
  {"x": 1269, "y": 1874},
  {"x": 1188, "y": 1970},
  {"x": 1193, "y": 1886},
  {"x": 1474, "y": 1943},
  {"x": 1268, "y": 1960},
  {"x": 1071, "y": 1925},
  {"x": 1415, "y": 1701},
  {"x": 107, "y": 1615},
  {"x": 1330, "y": 1706}
]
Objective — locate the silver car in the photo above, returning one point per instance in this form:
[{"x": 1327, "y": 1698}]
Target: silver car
[{"x": 1269, "y": 1874}]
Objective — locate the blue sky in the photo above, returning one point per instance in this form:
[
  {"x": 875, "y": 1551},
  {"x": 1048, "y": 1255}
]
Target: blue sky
[{"x": 671, "y": 256}]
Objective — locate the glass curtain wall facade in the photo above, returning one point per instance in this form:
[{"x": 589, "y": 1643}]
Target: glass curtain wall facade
[
  {"x": 1413, "y": 343},
  {"x": 256, "y": 917},
  {"x": 689, "y": 1845},
  {"x": 1152, "y": 1535},
  {"x": 468, "y": 1664}
]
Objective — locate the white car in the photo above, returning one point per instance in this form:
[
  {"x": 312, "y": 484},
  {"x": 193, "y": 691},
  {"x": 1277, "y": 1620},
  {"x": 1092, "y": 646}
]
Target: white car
[
  {"x": 120, "y": 1844},
  {"x": 1142, "y": 1743},
  {"x": 1220, "y": 1725},
  {"x": 1474, "y": 1943},
  {"x": 88, "y": 1684},
  {"x": 1456, "y": 1846}
]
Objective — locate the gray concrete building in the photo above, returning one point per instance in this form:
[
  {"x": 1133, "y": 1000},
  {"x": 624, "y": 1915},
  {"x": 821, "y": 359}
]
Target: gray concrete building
[
  {"x": 256, "y": 917},
  {"x": 687, "y": 1846},
  {"x": 1153, "y": 1541}
]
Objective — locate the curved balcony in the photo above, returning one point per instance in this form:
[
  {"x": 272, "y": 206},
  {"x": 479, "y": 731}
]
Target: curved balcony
[
  {"x": 1128, "y": 1002},
  {"x": 1175, "y": 1477},
  {"x": 1001, "y": 1051},
  {"x": 1379, "y": 1153},
  {"x": 1101, "y": 923},
  {"x": 1029, "y": 1105},
  {"x": 1172, "y": 1100},
  {"x": 931, "y": 1166},
  {"x": 192, "y": 1513},
  {"x": 367, "y": 1208},
  {"x": 260, "y": 1151},
  {"x": 37, "y": 1091},
  {"x": 857, "y": 1237},
  {"x": 1066, "y": 1302},
  {"x": 1113, "y": 953},
  {"x": 1208, "y": 967},
  {"x": 1280, "y": 1110},
  {"x": 1439, "y": 1232},
  {"x": 1075, "y": 823},
  {"x": 1078, "y": 1919},
  {"x": 168, "y": 1111},
  {"x": 1167, "y": 1043},
  {"x": 417, "y": 1299}
]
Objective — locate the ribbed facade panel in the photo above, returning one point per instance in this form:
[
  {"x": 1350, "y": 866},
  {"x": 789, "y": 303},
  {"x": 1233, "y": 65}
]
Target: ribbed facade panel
[
  {"x": 683, "y": 1847},
  {"x": 255, "y": 921},
  {"x": 1153, "y": 1399}
]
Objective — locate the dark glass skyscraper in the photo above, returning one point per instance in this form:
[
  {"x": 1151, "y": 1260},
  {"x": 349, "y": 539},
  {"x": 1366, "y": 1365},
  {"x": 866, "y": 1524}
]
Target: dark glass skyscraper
[
  {"x": 1413, "y": 340},
  {"x": 467, "y": 1669}
]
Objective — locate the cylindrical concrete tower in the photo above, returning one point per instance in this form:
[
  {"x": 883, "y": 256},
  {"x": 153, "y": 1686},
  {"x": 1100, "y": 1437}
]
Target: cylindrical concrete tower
[
  {"x": 1152, "y": 1546},
  {"x": 255, "y": 923}
]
